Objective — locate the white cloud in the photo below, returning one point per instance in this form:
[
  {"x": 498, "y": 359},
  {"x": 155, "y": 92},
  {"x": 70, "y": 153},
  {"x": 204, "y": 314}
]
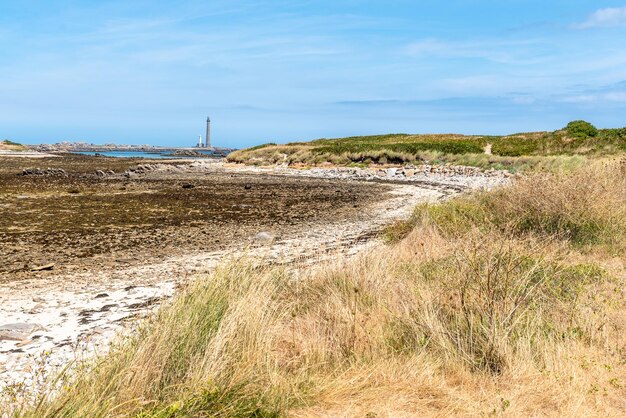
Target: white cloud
[
  {"x": 428, "y": 47},
  {"x": 609, "y": 17}
]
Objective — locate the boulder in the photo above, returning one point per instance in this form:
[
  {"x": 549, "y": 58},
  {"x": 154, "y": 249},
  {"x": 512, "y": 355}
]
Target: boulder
[
  {"x": 263, "y": 237},
  {"x": 46, "y": 172}
]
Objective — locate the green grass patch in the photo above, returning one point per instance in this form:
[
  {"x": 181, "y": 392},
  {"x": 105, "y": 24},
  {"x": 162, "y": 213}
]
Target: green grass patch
[{"x": 448, "y": 147}]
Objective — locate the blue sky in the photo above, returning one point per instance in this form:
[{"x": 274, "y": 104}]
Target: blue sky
[{"x": 151, "y": 71}]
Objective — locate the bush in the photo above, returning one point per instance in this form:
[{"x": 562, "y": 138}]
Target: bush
[{"x": 581, "y": 129}]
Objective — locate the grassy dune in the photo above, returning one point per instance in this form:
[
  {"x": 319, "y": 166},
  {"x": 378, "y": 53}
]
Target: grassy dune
[
  {"x": 505, "y": 303},
  {"x": 565, "y": 147},
  {"x": 7, "y": 145}
]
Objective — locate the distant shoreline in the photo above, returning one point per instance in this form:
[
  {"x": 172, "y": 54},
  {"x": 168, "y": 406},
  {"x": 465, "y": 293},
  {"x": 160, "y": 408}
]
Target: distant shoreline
[
  {"x": 167, "y": 154},
  {"x": 83, "y": 147}
]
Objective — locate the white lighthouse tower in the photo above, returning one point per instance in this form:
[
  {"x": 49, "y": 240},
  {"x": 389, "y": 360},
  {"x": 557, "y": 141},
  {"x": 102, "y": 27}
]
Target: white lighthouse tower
[{"x": 207, "y": 138}]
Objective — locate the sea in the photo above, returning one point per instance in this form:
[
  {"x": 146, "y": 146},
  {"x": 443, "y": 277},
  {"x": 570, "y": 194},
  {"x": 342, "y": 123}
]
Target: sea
[{"x": 140, "y": 154}]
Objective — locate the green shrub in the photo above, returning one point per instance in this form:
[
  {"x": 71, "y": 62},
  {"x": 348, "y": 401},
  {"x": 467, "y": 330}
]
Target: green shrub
[
  {"x": 515, "y": 147},
  {"x": 581, "y": 129},
  {"x": 447, "y": 147}
]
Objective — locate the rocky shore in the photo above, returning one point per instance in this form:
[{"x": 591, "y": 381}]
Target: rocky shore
[{"x": 461, "y": 176}]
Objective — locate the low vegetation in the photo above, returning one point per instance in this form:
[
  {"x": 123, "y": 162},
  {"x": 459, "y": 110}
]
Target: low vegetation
[
  {"x": 522, "y": 151},
  {"x": 5, "y": 144},
  {"x": 503, "y": 303}
]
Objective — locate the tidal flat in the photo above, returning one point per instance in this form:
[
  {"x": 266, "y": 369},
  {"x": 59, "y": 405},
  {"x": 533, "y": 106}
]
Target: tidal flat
[{"x": 78, "y": 219}]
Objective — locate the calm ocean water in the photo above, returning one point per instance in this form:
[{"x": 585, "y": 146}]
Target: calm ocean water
[{"x": 137, "y": 154}]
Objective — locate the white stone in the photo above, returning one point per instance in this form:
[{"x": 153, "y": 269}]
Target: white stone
[
  {"x": 391, "y": 172},
  {"x": 264, "y": 237}
]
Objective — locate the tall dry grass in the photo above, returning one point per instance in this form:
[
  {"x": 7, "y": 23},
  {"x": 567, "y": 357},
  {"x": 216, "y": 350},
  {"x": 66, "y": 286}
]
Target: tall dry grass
[
  {"x": 494, "y": 318},
  {"x": 585, "y": 207}
]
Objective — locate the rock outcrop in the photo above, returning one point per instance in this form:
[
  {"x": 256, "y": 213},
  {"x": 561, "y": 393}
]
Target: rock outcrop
[{"x": 42, "y": 172}]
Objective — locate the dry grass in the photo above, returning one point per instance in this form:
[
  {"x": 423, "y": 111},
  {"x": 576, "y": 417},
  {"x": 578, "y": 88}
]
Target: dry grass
[
  {"x": 494, "y": 318},
  {"x": 585, "y": 207}
]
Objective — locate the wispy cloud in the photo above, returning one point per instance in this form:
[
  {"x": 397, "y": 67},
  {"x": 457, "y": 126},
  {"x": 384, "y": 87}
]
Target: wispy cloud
[
  {"x": 463, "y": 104},
  {"x": 602, "y": 18},
  {"x": 524, "y": 51},
  {"x": 613, "y": 93}
]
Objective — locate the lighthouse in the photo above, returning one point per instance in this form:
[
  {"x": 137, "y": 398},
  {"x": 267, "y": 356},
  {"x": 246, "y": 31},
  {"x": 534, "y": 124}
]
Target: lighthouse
[{"x": 207, "y": 138}]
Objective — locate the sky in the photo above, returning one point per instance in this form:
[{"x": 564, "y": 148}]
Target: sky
[{"x": 151, "y": 71}]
